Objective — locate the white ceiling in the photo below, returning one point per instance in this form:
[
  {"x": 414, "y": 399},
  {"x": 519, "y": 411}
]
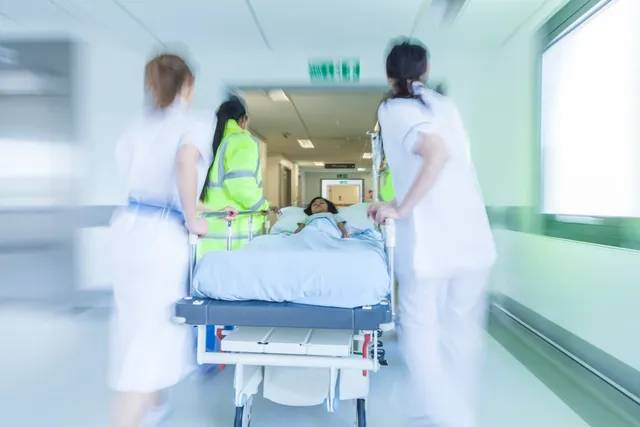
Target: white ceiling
[
  {"x": 336, "y": 121},
  {"x": 272, "y": 24},
  {"x": 488, "y": 23}
]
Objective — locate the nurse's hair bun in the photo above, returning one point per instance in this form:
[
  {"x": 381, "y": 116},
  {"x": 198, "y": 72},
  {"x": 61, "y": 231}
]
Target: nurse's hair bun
[{"x": 164, "y": 77}]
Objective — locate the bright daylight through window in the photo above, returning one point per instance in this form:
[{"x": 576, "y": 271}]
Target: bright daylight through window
[{"x": 590, "y": 127}]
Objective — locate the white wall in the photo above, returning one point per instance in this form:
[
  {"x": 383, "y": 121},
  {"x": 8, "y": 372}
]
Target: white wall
[
  {"x": 111, "y": 97},
  {"x": 295, "y": 185},
  {"x": 590, "y": 290}
]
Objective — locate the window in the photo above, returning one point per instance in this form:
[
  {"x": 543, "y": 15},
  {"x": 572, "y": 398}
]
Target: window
[{"x": 590, "y": 113}]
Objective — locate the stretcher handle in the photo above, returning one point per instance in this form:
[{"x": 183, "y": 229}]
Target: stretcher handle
[
  {"x": 223, "y": 214},
  {"x": 193, "y": 238},
  {"x": 389, "y": 229}
]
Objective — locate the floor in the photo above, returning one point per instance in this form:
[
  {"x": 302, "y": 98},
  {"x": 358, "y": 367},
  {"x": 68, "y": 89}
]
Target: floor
[{"x": 52, "y": 370}]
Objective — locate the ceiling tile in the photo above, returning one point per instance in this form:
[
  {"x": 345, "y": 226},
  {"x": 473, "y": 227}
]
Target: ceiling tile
[
  {"x": 203, "y": 23},
  {"x": 339, "y": 114},
  {"x": 334, "y": 25},
  {"x": 482, "y": 23}
]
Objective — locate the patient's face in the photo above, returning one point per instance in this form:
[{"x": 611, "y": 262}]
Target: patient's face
[{"x": 319, "y": 206}]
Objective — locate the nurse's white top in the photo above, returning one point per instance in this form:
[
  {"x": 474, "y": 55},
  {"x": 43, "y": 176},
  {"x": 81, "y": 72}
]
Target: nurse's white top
[
  {"x": 146, "y": 153},
  {"x": 448, "y": 231}
]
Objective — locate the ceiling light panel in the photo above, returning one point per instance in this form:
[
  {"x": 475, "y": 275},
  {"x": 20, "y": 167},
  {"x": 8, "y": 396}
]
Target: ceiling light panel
[
  {"x": 278, "y": 95},
  {"x": 306, "y": 143}
]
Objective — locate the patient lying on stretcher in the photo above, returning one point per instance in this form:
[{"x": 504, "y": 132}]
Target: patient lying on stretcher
[
  {"x": 321, "y": 210},
  {"x": 284, "y": 266}
]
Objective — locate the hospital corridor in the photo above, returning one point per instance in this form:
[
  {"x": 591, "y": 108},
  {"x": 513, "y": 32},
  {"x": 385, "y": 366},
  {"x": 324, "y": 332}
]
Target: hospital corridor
[{"x": 391, "y": 213}]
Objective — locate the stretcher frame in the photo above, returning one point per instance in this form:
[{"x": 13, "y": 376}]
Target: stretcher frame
[{"x": 365, "y": 349}]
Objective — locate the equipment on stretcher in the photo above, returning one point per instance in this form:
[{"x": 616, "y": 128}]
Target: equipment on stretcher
[{"x": 275, "y": 344}]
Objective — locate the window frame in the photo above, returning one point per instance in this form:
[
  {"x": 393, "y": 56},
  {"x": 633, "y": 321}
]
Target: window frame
[{"x": 611, "y": 231}]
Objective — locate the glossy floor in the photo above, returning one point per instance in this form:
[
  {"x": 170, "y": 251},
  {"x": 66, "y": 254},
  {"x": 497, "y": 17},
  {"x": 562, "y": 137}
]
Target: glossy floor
[{"x": 52, "y": 365}]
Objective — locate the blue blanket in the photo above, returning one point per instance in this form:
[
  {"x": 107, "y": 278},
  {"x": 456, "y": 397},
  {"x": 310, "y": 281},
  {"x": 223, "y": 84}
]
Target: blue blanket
[{"x": 315, "y": 266}]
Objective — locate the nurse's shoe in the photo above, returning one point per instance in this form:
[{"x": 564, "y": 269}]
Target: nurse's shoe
[{"x": 156, "y": 415}]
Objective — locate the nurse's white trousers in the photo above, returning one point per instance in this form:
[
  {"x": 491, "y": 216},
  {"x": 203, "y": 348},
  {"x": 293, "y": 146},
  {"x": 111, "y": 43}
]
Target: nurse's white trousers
[{"x": 441, "y": 333}]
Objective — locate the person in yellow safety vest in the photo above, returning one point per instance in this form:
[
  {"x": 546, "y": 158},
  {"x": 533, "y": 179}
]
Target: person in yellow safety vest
[
  {"x": 234, "y": 179},
  {"x": 387, "y": 193}
]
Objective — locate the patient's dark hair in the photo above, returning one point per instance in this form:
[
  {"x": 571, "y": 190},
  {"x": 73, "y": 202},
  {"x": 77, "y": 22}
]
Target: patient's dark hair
[{"x": 330, "y": 205}]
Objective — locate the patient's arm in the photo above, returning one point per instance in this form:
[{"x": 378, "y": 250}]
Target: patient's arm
[
  {"x": 299, "y": 229},
  {"x": 343, "y": 229}
]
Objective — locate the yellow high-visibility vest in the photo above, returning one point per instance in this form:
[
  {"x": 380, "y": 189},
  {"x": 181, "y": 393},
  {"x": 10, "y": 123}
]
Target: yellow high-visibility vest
[
  {"x": 235, "y": 180},
  {"x": 387, "y": 193}
]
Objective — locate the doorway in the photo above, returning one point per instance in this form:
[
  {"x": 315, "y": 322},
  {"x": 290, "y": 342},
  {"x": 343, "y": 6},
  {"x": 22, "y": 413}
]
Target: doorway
[{"x": 285, "y": 186}]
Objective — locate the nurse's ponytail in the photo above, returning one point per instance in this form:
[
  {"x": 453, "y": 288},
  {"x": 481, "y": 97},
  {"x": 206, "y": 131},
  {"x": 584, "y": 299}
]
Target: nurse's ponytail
[{"x": 231, "y": 109}]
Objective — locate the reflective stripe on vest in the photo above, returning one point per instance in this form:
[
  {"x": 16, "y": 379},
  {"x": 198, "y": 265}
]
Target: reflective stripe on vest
[
  {"x": 239, "y": 174},
  {"x": 257, "y": 204},
  {"x": 234, "y": 174},
  {"x": 224, "y": 237}
]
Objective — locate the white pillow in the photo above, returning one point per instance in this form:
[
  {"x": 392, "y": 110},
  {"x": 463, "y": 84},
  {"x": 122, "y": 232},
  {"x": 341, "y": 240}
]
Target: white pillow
[
  {"x": 356, "y": 216},
  {"x": 288, "y": 220}
]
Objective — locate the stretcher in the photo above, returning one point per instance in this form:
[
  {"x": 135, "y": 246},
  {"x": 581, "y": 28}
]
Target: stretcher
[
  {"x": 336, "y": 347},
  {"x": 332, "y": 350}
]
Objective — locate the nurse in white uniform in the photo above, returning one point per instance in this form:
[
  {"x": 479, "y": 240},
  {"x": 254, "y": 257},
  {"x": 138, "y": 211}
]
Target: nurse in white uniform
[
  {"x": 445, "y": 245},
  {"x": 164, "y": 158}
]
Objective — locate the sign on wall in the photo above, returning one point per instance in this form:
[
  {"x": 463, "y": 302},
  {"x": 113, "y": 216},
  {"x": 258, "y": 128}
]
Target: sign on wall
[
  {"x": 334, "y": 70},
  {"x": 339, "y": 165}
]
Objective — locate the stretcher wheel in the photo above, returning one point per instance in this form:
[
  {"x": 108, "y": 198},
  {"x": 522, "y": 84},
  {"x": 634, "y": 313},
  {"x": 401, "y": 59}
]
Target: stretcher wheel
[
  {"x": 243, "y": 415},
  {"x": 362, "y": 413}
]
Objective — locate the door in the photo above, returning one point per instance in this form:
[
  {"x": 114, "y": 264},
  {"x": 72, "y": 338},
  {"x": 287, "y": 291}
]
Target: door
[
  {"x": 342, "y": 192},
  {"x": 285, "y": 186},
  {"x": 344, "y": 195}
]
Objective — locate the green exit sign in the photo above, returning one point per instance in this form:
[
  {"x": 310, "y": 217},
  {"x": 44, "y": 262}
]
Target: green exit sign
[{"x": 335, "y": 70}]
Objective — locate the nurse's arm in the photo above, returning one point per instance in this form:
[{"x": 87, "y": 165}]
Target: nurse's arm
[
  {"x": 187, "y": 174},
  {"x": 434, "y": 153}
]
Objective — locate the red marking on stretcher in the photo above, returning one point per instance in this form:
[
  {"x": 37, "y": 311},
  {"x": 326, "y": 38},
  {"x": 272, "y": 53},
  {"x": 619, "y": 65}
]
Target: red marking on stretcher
[
  {"x": 220, "y": 336},
  {"x": 365, "y": 350}
]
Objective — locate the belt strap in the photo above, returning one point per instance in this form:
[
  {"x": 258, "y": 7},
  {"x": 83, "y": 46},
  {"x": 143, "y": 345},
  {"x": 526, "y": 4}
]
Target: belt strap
[{"x": 156, "y": 208}]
